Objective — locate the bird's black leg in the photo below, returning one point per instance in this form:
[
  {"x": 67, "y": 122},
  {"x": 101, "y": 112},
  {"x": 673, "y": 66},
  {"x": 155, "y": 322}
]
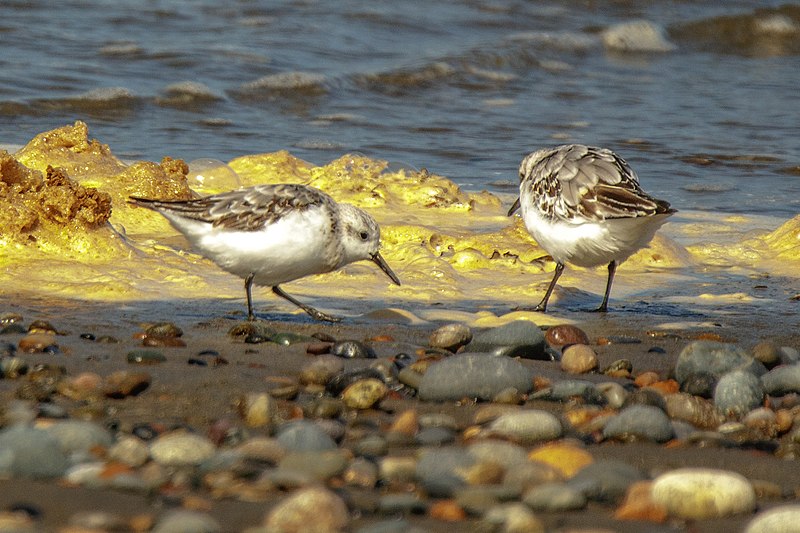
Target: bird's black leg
[
  {"x": 319, "y": 315},
  {"x": 248, "y": 285},
  {"x": 542, "y": 307},
  {"x": 612, "y": 268}
]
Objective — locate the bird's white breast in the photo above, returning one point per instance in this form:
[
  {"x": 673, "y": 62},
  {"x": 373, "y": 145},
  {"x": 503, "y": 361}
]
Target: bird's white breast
[
  {"x": 590, "y": 244},
  {"x": 299, "y": 244}
]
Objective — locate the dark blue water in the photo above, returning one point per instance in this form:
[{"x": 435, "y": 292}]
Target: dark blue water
[{"x": 462, "y": 88}]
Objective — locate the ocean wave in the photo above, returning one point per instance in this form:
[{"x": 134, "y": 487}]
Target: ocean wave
[
  {"x": 188, "y": 95},
  {"x": 767, "y": 32},
  {"x": 638, "y": 36},
  {"x": 285, "y": 84}
]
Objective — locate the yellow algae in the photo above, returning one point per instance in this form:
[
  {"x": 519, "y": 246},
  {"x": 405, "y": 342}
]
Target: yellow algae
[
  {"x": 51, "y": 212},
  {"x": 786, "y": 240},
  {"x": 69, "y": 148},
  {"x": 662, "y": 252},
  {"x": 363, "y": 182},
  {"x": 277, "y": 167},
  {"x": 165, "y": 181}
]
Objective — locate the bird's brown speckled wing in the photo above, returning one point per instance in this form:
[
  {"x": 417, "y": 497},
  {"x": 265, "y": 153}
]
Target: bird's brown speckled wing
[
  {"x": 576, "y": 181},
  {"x": 244, "y": 209}
]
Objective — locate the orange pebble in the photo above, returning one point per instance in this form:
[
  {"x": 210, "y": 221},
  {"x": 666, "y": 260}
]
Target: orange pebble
[
  {"x": 406, "y": 423},
  {"x": 447, "y": 510},
  {"x": 646, "y": 378},
  {"x": 669, "y": 386},
  {"x": 639, "y": 504},
  {"x": 381, "y": 338}
]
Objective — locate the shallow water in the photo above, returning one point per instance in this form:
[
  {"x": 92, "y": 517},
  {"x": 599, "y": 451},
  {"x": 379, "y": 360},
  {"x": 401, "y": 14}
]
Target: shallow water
[{"x": 464, "y": 89}]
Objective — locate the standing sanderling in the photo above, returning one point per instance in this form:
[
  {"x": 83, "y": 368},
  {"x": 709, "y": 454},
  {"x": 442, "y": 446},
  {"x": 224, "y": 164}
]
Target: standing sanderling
[
  {"x": 272, "y": 234},
  {"x": 584, "y": 206}
]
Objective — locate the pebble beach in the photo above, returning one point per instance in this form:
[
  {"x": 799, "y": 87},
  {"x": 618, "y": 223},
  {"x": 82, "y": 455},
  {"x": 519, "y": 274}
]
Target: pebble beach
[{"x": 377, "y": 425}]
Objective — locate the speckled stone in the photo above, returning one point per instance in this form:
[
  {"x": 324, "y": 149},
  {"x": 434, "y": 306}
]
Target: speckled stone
[
  {"x": 526, "y": 426},
  {"x": 737, "y": 393},
  {"x": 781, "y": 519},
  {"x": 309, "y": 509},
  {"x": 181, "y": 448},
  {"x": 716, "y": 358},
  {"x": 567, "y": 389},
  {"x": 450, "y": 337},
  {"x": 697, "y": 411},
  {"x": 364, "y": 393},
  {"x": 130, "y": 451}
]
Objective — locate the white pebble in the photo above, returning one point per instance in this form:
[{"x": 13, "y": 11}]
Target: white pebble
[{"x": 704, "y": 493}]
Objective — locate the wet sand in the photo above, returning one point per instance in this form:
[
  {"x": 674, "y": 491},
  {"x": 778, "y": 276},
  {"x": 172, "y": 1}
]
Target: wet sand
[{"x": 193, "y": 396}]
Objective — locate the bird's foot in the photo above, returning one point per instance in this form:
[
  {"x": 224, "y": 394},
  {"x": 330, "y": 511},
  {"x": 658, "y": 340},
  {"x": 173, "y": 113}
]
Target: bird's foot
[
  {"x": 538, "y": 309},
  {"x": 319, "y": 315}
]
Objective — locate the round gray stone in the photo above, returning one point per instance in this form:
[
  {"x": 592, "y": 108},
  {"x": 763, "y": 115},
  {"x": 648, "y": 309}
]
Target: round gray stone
[
  {"x": 520, "y": 338},
  {"x": 554, "y": 497},
  {"x": 440, "y": 471},
  {"x": 605, "y": 480},
  {"x": 304, "y": 436},
  {"x": 640, "y": 421},
  {"x": 473, "y": 375},
  {"x": 566, "y": 389},
  {"x": 782, "y": 380},
  {"x": 31, "y": 452},
  {"x": 79, "y": 436}
]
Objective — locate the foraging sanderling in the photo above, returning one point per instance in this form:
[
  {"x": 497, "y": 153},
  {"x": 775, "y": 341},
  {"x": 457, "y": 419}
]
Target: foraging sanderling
[
  {"x": 273, "y": 234},
  {"x": 583, "y": 205}
]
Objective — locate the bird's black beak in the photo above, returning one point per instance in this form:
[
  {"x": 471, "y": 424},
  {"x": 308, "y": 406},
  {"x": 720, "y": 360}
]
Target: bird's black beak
[
  {"x": 378, "y": 260},
  {"x": 514, "y": 207}
]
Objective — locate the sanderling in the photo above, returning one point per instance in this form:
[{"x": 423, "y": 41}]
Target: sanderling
[
  {"x": 273, "y": 234},
  {"x": 584, "y": 206}
]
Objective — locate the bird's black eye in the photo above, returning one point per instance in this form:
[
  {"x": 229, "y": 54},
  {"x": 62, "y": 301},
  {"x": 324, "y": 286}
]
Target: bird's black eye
[{"x": 364, "y": 235}]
